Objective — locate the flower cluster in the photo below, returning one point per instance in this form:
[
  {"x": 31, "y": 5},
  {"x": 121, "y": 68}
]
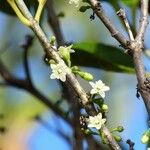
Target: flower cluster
[
  {"x": 96, "y": 121},
  {"x": 99, "y": 88}
]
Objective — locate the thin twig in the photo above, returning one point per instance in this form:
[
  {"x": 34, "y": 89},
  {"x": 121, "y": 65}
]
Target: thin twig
[
  {"x": 121, "y": 13},
  {"x": 26, "y": 45},
  {"x": 99, "y": 11}
]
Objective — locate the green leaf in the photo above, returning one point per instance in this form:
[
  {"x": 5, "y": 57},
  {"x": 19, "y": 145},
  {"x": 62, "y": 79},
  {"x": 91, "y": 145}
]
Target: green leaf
[{"x": 102, "y": 56}]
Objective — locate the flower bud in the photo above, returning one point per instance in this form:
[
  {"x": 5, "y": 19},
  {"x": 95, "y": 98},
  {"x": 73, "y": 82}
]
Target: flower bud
[
  {"x": 85, "y": 75},
  {"x": 145, "y": 138},
  {"x": 65, "y": 54},
  {"x": 104, "y": 107},
  {"x": 87, "y": 131},
  {"x": 75, "y": 69},
  {"x": 53, "y": 40},
  {"x": 120, "y": 128},
  {"x": 117, "y": 138}
]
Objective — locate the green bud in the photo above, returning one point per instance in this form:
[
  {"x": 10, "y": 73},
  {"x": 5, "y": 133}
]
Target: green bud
[
  {"x": 104, "y": 107},
  {"x": 120, "y": 128},
  {"x": 85, "y": 75},
  {"x": 117, "y": 129},
  {"x": 53, "y": 40},
  {"x": 75, "y": 69},
  {"x": 65, "y": 54},
  {"x": 117, "y": 138},
  {"x": 87, "y": 131},
  {"x": 145, "y": 138}
]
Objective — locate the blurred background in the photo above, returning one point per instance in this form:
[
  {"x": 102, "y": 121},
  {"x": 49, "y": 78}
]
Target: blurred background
[{"x": 25, "y": 122}]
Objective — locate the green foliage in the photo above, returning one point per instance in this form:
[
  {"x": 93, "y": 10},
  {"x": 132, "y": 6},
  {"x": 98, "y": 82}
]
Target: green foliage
[{"x": 102, "y": 56}]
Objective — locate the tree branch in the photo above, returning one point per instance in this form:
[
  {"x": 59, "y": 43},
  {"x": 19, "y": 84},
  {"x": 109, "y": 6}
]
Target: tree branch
[
  {"x": 26, "y": 45},
  {"x": 121, "y": 13},
  {"x": 135, "y": 46},
  {"x": 99, "y": 11},
  {"x": 51, "y": 53}
]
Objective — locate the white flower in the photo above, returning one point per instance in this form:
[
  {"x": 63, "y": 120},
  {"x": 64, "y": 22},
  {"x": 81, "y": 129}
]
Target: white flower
[
  {"x": 96, "y": 121},
  {"x": 58, "y": 72},
  {"x": 76, "y": 2},
  {"x": 99, "y": 88}
]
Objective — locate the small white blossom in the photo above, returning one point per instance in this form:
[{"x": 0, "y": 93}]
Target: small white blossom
[
  {"x": 96, "y": 121},
  {"x": 58, "y": 72},
  {"x": 99, "y": 88},
  {"x": 76, "y": 2}
]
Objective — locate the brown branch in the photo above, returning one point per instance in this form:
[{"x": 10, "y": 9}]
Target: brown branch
[
  {"x": 121, "y": 13},
  {"x": 143, "y": 83},
  {"x": 26, "y": 45},
  {"x": 73, "y": 82},
  {"x": 135, "y": 46},
  {"x": 66, "y": 90},
  {"x": 99, "y": 11},
  {"x": 89, "y": 107}
]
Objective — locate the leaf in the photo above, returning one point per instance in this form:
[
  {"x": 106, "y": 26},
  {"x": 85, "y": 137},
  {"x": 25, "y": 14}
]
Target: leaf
[{"x": 102, "y": 56}]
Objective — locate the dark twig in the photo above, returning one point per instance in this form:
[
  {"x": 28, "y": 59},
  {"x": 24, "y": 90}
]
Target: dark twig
[
  {"x": 121, "y": 13},
  {"x": 99, "y": 11},
  {"x": 26, "y": 45},
  {"x": 131, "y": 144}
]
